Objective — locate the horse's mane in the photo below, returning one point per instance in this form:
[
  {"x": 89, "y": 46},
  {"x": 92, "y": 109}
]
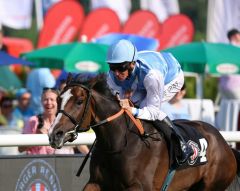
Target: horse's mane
[{"x": 95, "y": 82}]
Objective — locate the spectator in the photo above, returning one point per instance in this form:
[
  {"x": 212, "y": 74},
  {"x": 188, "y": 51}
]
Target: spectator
[
  {"x": 2, "y": 118},
  {"x": 176, "y": 108},
  {"x": 229, "y": 85},
  {"x": 7, "y": 118},
  {"x": 2, "y": 93},
  {"x": 22, "y": 110},
  {"x": 40, "y": 124},
  {"x": 234, "y": 37},
  {"x": 38, "y": 79}
]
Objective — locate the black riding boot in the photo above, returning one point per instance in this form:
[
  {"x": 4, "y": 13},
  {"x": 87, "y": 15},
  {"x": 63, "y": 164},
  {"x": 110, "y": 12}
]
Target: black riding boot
[{"x": 186, "y": 149}]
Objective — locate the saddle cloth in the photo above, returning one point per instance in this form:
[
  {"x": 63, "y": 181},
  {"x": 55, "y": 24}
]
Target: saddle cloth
[{"x": 195, "y": 139}]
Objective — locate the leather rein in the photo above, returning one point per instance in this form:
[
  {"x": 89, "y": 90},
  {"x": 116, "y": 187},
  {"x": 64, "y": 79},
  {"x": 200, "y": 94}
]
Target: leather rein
[{"x": 78, "y": 124}]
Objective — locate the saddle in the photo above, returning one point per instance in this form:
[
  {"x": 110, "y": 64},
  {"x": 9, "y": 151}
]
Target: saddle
[{"x": 192, "y": 137}]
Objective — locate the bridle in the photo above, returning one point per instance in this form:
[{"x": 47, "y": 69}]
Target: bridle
[{"x": 78, "y": 123}]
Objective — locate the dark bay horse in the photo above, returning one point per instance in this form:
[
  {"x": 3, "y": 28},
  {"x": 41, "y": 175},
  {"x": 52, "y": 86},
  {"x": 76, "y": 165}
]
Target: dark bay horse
[{"x": 122, "y": 159}]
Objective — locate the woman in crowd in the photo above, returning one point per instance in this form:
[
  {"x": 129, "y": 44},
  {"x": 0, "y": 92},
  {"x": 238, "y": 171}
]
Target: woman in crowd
[{"x": 41, "y": 123}]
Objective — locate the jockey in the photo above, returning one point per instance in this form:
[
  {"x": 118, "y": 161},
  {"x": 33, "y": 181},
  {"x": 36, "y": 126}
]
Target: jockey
[{"x": 147, "y": 78}]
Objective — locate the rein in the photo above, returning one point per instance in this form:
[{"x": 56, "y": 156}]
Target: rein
[
  {"x": 137, "y": 122},
  {"x": 78, "y": 124}
]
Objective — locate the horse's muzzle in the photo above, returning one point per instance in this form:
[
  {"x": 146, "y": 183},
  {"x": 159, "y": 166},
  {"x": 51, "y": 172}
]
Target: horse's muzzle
[{"x": 56, "y": 139}]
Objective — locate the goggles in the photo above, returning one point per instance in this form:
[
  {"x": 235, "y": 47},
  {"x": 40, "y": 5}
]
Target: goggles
[{"x": 119, "y": 67}]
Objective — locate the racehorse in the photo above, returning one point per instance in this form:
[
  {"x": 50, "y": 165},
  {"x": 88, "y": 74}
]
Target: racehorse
[{"x": 122, "y": 158}]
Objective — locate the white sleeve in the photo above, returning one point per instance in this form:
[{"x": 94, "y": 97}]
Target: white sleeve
[
  {"x": 114, "y": 87},
  {"x": 150, "y": 106}
]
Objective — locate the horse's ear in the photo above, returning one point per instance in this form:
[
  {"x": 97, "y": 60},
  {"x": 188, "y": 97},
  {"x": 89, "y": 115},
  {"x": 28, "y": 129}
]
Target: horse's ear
[
  {"x": 92, "y": 79},
  {"x": 69, "y": 78},
  {"x": 100, "y": 77},
  {"x": 92, "y": 82}
]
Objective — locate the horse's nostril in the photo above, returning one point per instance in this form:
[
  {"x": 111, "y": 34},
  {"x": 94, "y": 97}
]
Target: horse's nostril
[{"x": 59, "y": 134}]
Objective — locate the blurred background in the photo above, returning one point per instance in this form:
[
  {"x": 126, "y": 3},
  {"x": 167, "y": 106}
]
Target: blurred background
[{"x": 33, "y": 28}]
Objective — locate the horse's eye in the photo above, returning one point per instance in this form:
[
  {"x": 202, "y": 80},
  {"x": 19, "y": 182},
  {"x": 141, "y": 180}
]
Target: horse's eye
[{"x": 79, "y": 102}]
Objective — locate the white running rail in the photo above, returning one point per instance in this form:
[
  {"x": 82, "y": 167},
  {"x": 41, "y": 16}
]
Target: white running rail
[{"x": 14, "y": 140}]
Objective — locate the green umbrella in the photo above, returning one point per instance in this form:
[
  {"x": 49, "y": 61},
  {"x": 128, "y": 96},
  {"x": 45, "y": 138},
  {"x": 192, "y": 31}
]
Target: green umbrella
[
  {"x": 214, "y": 58},
  {"x": 72, "y": 57}
]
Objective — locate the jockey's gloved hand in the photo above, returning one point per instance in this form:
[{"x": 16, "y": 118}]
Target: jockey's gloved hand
[{"x": 124, "y": 103}]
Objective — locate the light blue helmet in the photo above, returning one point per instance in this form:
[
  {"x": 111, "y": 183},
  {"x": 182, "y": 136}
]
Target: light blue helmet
[{"x": 122, "y": 51}]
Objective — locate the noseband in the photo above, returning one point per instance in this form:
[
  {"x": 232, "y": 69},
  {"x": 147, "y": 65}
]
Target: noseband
[{"x": 77, "y": 124}]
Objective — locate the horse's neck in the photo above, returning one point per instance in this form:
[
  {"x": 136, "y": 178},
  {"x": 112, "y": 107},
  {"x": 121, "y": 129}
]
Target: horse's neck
[{"x": 112, "y": 134}]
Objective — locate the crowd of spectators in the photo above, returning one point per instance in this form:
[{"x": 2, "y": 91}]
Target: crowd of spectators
[{"x": 32, "y": 110}]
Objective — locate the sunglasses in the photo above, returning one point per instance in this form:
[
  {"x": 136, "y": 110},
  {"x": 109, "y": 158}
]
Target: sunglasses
[
  {"x": 119, "y": 67},
  {"x": 45, "y": 89}
]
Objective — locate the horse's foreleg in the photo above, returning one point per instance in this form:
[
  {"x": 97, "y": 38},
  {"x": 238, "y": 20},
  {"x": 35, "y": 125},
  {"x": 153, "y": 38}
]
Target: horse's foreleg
[{"x": 92, "y": 187}]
